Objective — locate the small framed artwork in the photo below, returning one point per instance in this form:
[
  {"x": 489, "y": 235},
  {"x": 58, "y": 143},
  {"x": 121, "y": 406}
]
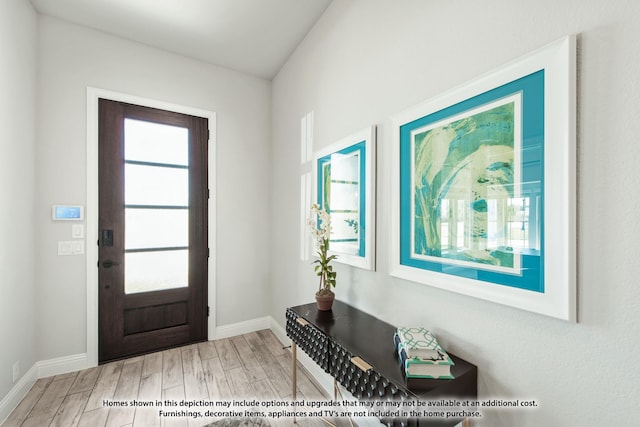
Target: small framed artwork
[
  {"x": 345, "y": 187},
  {"x": 483, "y": 191}
]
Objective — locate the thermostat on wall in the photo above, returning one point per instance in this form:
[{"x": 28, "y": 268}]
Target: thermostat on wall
[{"x": 67, "y": 212}]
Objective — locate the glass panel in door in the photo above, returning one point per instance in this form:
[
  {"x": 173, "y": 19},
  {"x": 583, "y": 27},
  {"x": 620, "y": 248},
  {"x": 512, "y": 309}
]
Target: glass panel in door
[{"x": 156, "y": 195}]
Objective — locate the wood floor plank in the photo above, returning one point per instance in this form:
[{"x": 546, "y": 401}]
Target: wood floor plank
[
  {"x": 86, "y": 380},
  {"x": 135, "y": 359},
  {"x": 273, "y": 344},
  {"x": 126, "y": 391},
  {"x": 129, "y": 382},
  {"x": 17, "y": 417},
  {"x": 239, "y": 383},
  {"x": 71, "y": 410},
  {"x": 175, "y": 394},
  {"x": 228, "y": 355},
  {"x": 189, "y": 347},
  {"x": 150, "y": 390},
  {"x": 95, "y": 418},
  {"x": 65, "y": 376},
  {"x": 45, "y": 410},
  {"x": 152, "y": 364},
  {"x": 172, "y": 368},
  {"x": 105, "y": 386},
  {"x": 248, "y": 359},
  {"x": 216, "y": 380},
  {"x": 195, "y": 386},
  {"x": 254, "y": 339},
  {"x": 279, "y": 379},
  {"x": 263, "y": 390},
  {"x": 207, "y": 350}
]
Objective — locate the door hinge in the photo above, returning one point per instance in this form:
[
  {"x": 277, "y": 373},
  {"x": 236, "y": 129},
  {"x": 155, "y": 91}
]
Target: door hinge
[
  {"x": 208, "y": 193},
  {"x": 208, "y": 252},
  {"x": 208, "y": 311}
]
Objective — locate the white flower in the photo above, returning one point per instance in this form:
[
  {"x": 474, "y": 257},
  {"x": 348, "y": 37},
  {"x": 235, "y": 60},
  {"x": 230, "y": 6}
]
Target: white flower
[
  {"x": 319, "y": 223},
  {"x": 320, "y": 226}
]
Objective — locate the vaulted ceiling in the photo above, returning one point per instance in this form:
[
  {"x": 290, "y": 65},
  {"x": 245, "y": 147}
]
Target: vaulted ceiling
[{"x": 251, "y": 36}]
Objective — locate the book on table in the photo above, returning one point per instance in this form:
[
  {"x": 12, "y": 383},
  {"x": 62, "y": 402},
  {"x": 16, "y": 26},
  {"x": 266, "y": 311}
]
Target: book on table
[
  {"x": 417, "y": 342},
  {"x": 420, "y": 354},
  {"x": 438, "y": 367}
]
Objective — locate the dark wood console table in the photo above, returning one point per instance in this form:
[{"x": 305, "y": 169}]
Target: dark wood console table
[{"x": 357, "y": 350}]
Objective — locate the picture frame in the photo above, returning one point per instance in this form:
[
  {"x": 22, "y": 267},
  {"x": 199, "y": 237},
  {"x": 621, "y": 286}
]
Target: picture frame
[
  {"x": 483, "y": 186},
  {"x": 344, "y": 185}
]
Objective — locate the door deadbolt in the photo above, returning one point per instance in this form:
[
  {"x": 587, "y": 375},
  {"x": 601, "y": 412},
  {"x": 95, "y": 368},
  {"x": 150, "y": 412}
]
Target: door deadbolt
[{"x": 106, "y": 238}]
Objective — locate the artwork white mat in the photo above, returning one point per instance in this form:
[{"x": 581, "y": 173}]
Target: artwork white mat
[{"x": 558, "y": 60}]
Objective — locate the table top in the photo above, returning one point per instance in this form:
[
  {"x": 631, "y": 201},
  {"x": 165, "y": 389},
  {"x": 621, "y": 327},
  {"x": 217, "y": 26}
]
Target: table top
[{"x": 371, "y": 339}]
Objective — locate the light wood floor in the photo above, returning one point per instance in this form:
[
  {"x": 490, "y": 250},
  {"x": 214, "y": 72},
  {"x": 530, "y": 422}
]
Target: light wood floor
[{"x": 250, "y": 366}]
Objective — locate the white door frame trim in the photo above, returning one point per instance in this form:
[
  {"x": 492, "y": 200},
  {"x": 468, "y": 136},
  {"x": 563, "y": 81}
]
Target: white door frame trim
[{"x": 91, "y": 213}]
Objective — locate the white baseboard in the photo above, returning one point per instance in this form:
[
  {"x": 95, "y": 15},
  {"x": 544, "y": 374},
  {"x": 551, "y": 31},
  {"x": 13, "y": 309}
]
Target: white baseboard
[
  {"x": 17, "y": 393},
  {"x": 62, "y": 365},
  {"x": 245, "y": 327},
  {"x": 40, "y": 369}
]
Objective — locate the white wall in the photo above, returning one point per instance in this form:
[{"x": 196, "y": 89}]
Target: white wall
[
  {"x": 72, "y": 57},
  {"x": 368, "y": 59},
  {"x": 18, "y": 259}
]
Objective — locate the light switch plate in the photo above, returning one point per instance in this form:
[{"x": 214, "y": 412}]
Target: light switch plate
[
  {"x": 71, "y": 247},
  {"x": 64, "y": 248},
  {"x": 77, "y": 247}
]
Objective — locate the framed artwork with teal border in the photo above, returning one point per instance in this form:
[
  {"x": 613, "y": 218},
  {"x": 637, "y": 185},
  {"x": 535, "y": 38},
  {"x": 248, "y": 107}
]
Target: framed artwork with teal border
[
  {"x": 345, "y": 186},
  {"x": 483, "y": 190}
]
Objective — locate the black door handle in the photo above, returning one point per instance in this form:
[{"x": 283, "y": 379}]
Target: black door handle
[{"x": 109, "y": 263}]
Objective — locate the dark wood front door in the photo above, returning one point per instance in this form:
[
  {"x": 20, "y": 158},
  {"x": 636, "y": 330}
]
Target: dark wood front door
[{"x": 153, "y": 198}]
